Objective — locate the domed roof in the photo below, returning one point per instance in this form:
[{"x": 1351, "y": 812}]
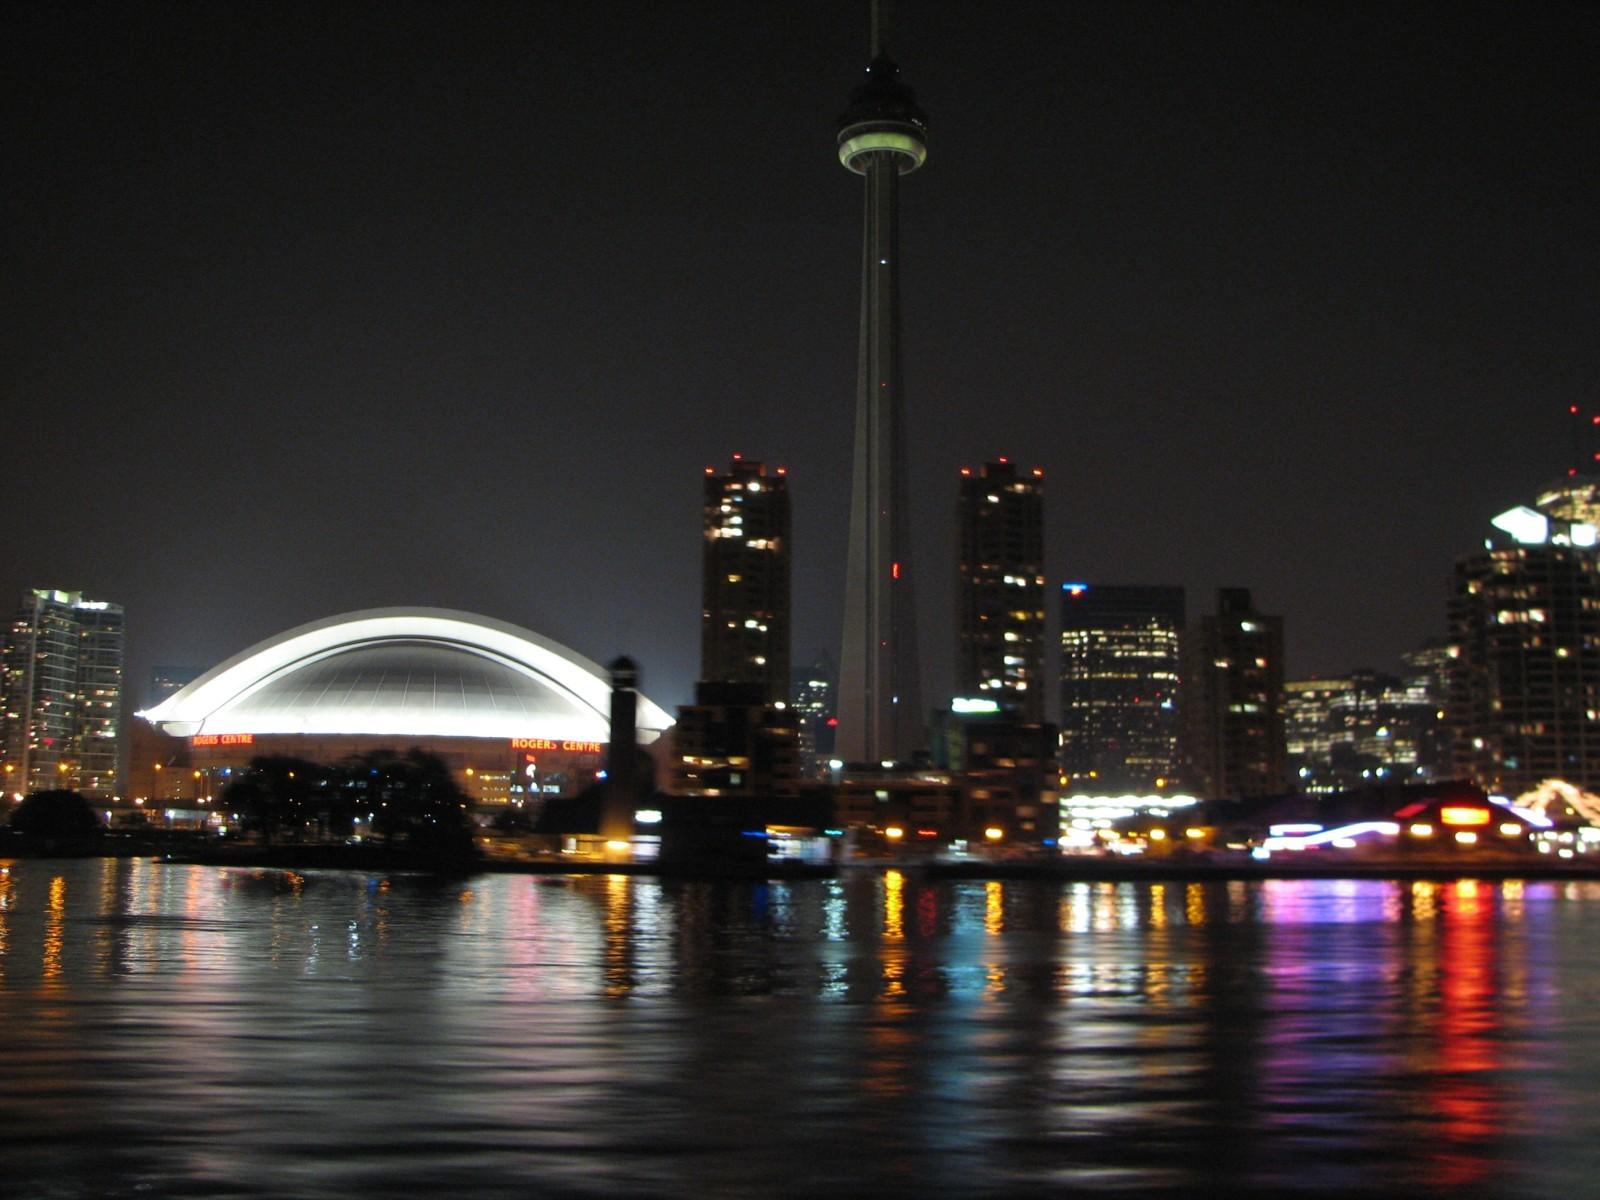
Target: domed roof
[{"x": 403, "y": 673}]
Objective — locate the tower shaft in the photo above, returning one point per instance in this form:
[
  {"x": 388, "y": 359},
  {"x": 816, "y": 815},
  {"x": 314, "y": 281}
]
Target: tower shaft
[{"x": 880, "y": 705}]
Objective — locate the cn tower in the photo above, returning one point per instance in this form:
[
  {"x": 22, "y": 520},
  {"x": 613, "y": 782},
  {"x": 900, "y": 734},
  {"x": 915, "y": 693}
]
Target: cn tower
[{"x": 882, "y": 136}]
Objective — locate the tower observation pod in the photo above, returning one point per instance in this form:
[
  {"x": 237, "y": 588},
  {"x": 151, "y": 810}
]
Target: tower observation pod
[{"x": 882, "y": 136}]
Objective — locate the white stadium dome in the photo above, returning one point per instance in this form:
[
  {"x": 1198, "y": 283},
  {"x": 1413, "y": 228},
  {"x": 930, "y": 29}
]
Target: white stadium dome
[{"x": 404, "y": 672}]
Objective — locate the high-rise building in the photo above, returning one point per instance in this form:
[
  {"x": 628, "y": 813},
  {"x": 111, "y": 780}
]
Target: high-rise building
[
  {"x": 1119, "y": 686},
  {"x": 744, "y": 614},
  {"x": 1426, "y": 671},
  {"x": 1360, "y": 729},
  {"x": 1232, "y": 706},
  {"x": 61, "y": 694},
  {"x": 882, "y": 136},
  {"x": 1524, "y": 698},
  {"x": 812, "y": 701},
  {"x": 1000, "y": 587}
]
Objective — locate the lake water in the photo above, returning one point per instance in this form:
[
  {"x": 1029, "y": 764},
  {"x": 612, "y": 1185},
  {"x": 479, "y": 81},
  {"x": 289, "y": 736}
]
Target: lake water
[{"x": 196, "y": 1031}]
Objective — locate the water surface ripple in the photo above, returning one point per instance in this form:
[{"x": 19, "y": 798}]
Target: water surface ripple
[{"x": 196, "y": 1031}]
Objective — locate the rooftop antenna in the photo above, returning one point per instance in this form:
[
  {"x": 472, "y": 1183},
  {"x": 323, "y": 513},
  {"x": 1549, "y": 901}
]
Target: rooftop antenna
[
  {"x": 880, "y": 26},
  {"x": 1577, "y": 440}
]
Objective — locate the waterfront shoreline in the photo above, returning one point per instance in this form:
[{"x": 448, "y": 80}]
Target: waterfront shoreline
[
  {"x": 373, "y": 859},
  {"x": 1075, "y": 871}
]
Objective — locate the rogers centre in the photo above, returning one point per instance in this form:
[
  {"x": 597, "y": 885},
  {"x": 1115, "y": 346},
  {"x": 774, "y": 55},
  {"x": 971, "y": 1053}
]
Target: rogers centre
[{"x": 512, "y": 713}]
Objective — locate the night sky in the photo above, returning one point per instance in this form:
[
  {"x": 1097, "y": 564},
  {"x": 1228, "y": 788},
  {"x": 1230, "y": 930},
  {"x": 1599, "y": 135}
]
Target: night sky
[{"x": 324, "y": 307}]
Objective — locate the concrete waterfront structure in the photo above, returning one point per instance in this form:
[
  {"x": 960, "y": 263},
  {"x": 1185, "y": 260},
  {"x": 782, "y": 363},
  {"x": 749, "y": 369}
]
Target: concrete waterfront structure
[
  {"x": 61, "y": 694},
  {"x": 1000, "y": 586},
  {"x": 745, "y": 590},
  {"x": 510, "y": 712},
  {"x": 1120, "y": 669},
  {"x": 1524, "y": 678},
  {"x": 882, "y": 136}
]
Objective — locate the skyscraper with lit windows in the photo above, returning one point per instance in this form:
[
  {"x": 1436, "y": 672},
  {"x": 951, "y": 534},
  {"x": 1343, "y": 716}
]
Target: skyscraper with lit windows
[
  {"x": 61, "y": 694},
  {"x": 1232, "y": 704},
  {"x": 1119, "y": 686},
  {"x": 1524, "y": 676},
  {"x": 1000, "y": 586},
  {"x": 744, "y": 615}
]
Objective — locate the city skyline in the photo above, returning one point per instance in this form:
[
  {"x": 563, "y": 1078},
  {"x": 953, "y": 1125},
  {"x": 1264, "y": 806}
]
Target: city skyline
[{"x": 1266, "y": 329}]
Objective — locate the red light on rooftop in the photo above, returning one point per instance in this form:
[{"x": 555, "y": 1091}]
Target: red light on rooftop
[
  {"x": 783, "y": 470},
  {"x": 832, "y": 721},
  {"x": 1573, "y": 410},
  {"x": 894, "y": 570},
  {"x": 737, "y": 457},
  {"x": 1037, "y": 473},
  {"x": 711, "y": 471},
  {"x": 1004, "y": 459},
  {"x": 966, "y": 470}
]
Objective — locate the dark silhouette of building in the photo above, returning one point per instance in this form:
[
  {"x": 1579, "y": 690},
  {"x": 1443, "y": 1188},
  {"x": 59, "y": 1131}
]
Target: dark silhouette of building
[
  {"x": 1524, "y": 689},
  {"x": 816, "y": 717},
  {"x": 731, "y": 742},
  {"x": 1000, "y": 586},
  {"x": 1232, "y": 702},
  {"x": 882, "y": 136},
  {"x": 744, "y": 613},
  {"x": 1003, "y": 765},
  {"x": 1120, "y": 667},
  {"x": 61, "y": 695}
]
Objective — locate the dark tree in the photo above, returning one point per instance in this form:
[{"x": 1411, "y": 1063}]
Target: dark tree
[
  {"x": 56, "y": 816},
  {"x": 413, "y": 800},
  {"x": 280, "y": 796}
]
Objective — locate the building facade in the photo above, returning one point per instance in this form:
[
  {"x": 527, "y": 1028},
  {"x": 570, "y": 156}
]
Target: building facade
[
  {"x": 1524, "y": 691},
  {"x": 732, "y": 742},
  {"x": 744, "y": 613},
  {"x": 1232, "y": 706},
  {"x": 1120, "y": 670},
  {"x": 815, "y": 716},
  {"x": 1000, "y": 586},
  {"x": 61, "y": 696},
  {"x": 1362, "y": 729}
]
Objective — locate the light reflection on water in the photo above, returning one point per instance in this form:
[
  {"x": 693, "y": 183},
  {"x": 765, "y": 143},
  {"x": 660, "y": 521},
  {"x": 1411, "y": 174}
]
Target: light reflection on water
[{"x": 266, "y": 1033}]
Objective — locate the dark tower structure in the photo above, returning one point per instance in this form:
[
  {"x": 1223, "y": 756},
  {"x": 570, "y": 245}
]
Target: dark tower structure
[
  {"x": 1232, "y": 705},
  {"x": 882, "y": 136},
  {"x": 1000, "y": 587},
  {"x": 744, "y": 613}
]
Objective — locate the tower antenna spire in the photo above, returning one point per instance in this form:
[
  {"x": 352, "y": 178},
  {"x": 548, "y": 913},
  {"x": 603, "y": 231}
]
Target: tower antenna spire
[{"x": 881, "y": 19}]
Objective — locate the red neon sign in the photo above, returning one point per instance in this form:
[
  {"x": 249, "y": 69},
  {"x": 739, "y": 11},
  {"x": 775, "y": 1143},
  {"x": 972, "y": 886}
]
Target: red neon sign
[{"x": 552, "y": 744}]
